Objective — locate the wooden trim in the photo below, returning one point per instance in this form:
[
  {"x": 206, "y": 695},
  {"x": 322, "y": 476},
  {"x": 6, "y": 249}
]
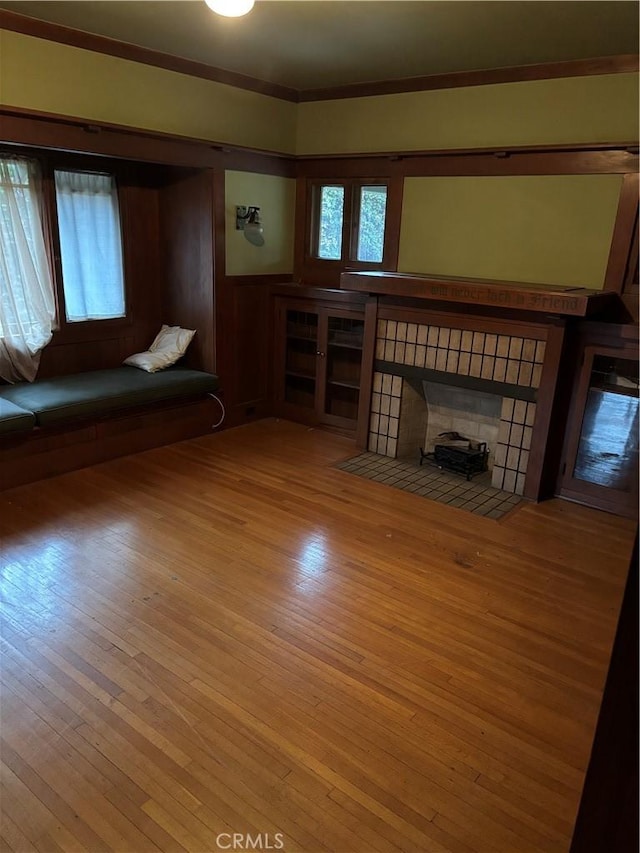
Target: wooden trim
[
  {"x": 320, "y": 294},
  {"x": 624, "y": 233},
  {"x": 268, "y": 279},
  {"x": 518, "y": 296},
  {"x": 542, "y": 444},
  {"x": 631, "y": 273},
  {"x": 70, "y": 133},
  {"x": 302, "y": 226},
  {"x": 395, "y": 190},
  {"x": 516, "y": 74},
  {"x": 620, "y": 158},
  {"x": 220, "y": 306},
  {"x": 366, "y": 372},
  {"x": 135, "y": 53}
]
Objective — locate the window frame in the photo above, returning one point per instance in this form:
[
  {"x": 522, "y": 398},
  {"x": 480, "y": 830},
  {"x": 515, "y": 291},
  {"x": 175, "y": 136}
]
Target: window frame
[
  {"x": 351, "y": 224},
  {"x": 77, "y": 331}
]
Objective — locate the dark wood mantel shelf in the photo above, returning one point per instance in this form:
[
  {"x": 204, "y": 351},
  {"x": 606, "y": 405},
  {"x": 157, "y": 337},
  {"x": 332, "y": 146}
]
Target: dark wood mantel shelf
[{"x": 548, "y": 299}]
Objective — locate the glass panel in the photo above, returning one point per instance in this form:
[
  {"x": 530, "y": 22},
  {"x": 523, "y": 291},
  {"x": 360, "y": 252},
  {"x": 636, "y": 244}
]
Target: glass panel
[
  {"x": 301, "y": 359},
  {"x": 346, "y": 332},
  {"x": 608, "y": 450},
  {"x": 299, "y": 391},
  {"x": 302, "y": 324},
  {"x": 373, "y": 208},
  {"x": 330, "y": 225},
  {"x": 344, "y": 360},
  {"x": 342, "y": 402}
]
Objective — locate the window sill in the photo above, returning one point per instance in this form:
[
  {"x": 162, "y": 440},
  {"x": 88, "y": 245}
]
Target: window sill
[{"x": 91, "y": 330}]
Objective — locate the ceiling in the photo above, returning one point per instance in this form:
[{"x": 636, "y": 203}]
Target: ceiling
[{"x": 307, "y": 44}]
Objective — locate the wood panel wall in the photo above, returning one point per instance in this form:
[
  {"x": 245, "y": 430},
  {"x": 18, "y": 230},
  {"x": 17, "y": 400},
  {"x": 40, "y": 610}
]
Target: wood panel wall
[{"x": 187, "y": 229}]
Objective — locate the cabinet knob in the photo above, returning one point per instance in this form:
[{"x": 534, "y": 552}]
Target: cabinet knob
[{"x": 321, "y": 354}]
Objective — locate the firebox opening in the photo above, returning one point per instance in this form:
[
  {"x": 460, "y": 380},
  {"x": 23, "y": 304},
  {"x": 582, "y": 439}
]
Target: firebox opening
[{"x": 473, "y": 414}]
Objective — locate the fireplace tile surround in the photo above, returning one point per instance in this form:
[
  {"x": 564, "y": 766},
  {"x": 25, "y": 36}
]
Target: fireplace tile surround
[{"x": 504, "y": 364}]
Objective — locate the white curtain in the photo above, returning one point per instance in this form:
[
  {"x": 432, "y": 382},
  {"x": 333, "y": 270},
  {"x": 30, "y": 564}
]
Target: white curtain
[
  {"x": 91, "y": 245},
  {"x": 27, "y": 300}
]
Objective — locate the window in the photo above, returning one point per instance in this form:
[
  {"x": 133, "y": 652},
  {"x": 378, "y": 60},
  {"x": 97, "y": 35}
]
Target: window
[
  {"x": 90, "y": 246},
  {"x": 371, "y": 222},
  {"x": 331, "y": 222},
  {"x": 349, "y": 220},
  {"x": 27, "y": 298}
]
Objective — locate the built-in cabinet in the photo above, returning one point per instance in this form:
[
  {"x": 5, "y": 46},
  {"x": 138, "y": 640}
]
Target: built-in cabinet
[
  {"x": 319, "y": 359},
  {"x": 600, "y": 455}
]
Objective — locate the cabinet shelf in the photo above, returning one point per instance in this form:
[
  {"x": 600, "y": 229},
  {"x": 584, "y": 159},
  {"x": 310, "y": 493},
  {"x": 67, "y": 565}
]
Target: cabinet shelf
[
  {"x": 344, "y": 383},
  {"x": 298, "y": 374},
  {"x": 305, "y": 338},
  {"x": 340, "y": 345}
]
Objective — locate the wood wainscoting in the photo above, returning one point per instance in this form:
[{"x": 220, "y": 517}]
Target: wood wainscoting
[{"x": 231, "y": 635}]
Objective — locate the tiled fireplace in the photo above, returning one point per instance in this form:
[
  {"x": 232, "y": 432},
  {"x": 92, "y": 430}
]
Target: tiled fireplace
[{"x": 430, "y": 379}]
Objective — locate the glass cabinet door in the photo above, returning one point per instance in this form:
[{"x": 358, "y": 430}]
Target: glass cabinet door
[
  {"x": 343, "y": 361},
  {"x": 301, "y": 348},
  {"x": 602, "y": 451}
]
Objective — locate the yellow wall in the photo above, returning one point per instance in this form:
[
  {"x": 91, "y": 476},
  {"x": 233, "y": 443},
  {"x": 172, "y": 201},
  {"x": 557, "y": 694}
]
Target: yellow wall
[
  {"x": 553, "y": 229},
  {"x": 571, "y": 110},
  {"x": 536, "y": 229},
  {"x": 42, "y": 75},
  {"x": 276, "y": 198}
]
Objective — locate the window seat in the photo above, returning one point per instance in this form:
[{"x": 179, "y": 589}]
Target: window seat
[
  {"x": 14, "y": 418},
  {"x": 98, "y": 392},
  {"x": 55, "y": 425}
]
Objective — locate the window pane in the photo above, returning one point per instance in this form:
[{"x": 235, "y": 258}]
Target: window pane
[
  {"x": 90, "y": 246},
  {"x": 330, "y": 226},
  {"x": 608, "y": 449},
  {"x": 373, "y": 207}
]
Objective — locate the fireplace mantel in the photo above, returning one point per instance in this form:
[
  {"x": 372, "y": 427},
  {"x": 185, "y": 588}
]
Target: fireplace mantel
[{"x": 511, "y": 295}]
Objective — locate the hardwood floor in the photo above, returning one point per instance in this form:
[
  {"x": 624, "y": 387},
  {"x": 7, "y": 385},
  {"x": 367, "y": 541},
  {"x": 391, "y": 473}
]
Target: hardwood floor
[{"x": 231, "y": 636}]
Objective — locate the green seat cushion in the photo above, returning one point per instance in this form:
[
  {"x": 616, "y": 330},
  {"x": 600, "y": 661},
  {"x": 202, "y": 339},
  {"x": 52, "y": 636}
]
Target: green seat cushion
[
  {"x": 14, "y": 418},
  {"x": 84, "y": 395}
]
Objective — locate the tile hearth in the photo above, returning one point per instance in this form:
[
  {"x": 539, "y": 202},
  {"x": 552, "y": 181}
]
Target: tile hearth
[{"x": 477, "y": 496}]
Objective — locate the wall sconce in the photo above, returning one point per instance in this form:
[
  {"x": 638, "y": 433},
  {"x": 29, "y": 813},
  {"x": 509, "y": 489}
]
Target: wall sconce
[{"x": 248, "y": 220}]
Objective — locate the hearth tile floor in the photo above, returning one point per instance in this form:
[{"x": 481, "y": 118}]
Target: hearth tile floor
[{"x": 477, "y": 495}]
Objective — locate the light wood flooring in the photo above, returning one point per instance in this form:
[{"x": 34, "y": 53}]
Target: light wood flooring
[{"x": 230, "y": 635}]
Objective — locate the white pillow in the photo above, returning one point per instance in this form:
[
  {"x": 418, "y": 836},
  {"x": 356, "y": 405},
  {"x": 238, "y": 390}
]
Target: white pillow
[
  {"x": 169, "y": 345},
  {"x": 172, "y": 339}
]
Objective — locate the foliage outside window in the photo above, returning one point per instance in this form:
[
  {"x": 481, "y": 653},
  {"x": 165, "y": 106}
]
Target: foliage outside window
[
  {"x": 330, "y": 222},
  {"x": 371, "y": 222},
  {"x": 349, "y": 221}
]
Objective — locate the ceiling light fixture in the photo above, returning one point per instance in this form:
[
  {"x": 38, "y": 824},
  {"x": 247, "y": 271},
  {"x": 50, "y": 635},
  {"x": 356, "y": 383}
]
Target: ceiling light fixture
[{"x": 230, "y": 8}]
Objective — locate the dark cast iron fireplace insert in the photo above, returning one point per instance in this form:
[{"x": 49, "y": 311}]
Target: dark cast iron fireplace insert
[{"x": 457, "y": 454}]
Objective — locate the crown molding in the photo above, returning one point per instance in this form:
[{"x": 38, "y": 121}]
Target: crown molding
[
  {"x": 516, "y": 74},
  {"x": 101, "y": 44}
]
